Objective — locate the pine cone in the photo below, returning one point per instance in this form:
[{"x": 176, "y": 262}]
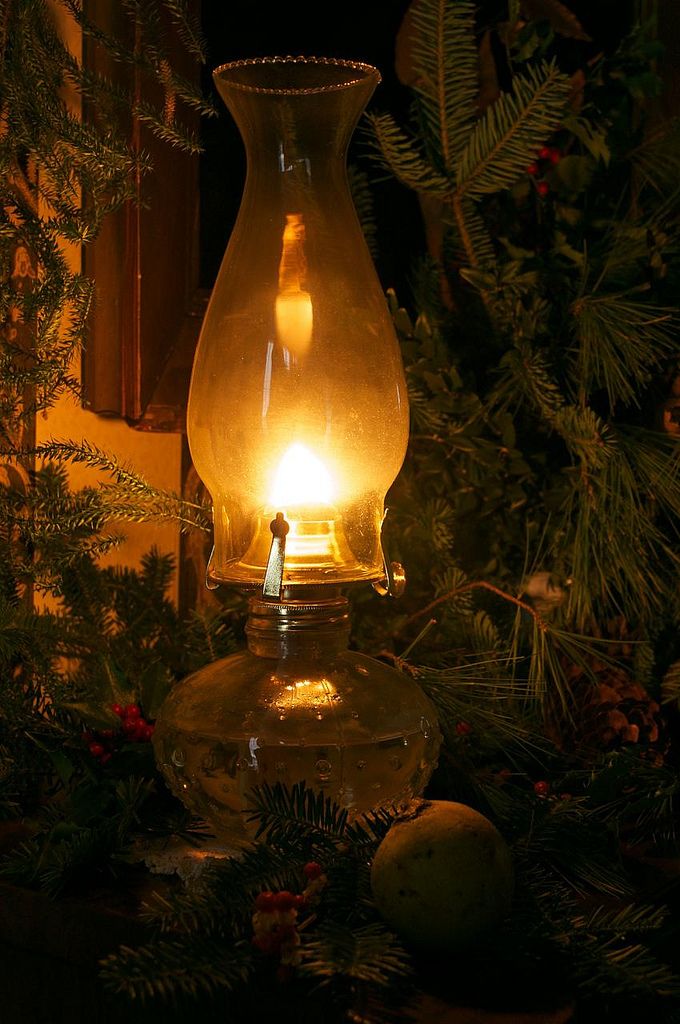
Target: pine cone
[
  {"x": 611, "y": 708},
  {"x": 618, "y": 711}
]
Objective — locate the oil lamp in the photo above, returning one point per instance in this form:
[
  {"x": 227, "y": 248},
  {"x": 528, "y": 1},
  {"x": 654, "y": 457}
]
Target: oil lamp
[{"x": 298, "y": 424}]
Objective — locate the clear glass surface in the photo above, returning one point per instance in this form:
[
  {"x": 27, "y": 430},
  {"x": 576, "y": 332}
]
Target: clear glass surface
[
  {"x": 298, "y": 402},
  {"x": 345, "y": 724}
]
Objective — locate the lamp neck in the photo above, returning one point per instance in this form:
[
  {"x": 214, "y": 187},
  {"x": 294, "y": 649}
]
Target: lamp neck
[{"x": 313, "y": 622}]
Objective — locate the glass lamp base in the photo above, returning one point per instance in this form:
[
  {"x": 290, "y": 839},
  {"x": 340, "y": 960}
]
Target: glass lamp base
[{"x": 347, "y": 725}]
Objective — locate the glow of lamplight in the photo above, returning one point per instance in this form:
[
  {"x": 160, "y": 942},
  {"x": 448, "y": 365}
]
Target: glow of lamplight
[
  {"x": 301, "y": 479},
  {"x": 306, "y": 693}
]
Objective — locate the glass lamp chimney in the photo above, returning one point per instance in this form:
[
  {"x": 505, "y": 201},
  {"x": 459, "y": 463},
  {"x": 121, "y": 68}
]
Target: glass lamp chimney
[{"x": 298, "y": 402}]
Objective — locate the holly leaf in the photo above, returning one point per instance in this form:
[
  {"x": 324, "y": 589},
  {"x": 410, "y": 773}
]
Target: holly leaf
[
  {"x": 482, "y": 280},
  {"x": 63, "y": 766},
  {"x": 95, "y": 715},
  {"x": 434, "y": 381},
  {"x": 573, "y": 173},
  {"x": 568, "y": 214},
  {"x": 154, "y": 686},
  {"x": 563, "y": 248},
  {"x": 506, "y": 426},
  {"x": 404, "y": 64},
  {"x": 592, "y": 137},
  {"x": 516, "y": 252},
  {"x": 646, "y": 85}
]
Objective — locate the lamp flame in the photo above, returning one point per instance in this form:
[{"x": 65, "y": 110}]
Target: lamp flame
[{"x": 301, "y": 479}]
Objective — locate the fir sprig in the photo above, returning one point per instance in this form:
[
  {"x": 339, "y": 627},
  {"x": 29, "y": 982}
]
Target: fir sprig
[
  {"x": 511, "y": 132},
  {"x": 174, "y": 966}
]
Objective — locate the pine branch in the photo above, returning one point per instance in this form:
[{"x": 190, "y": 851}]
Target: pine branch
[
  {"x": 206, "y": 637},
  {"x": 657, "y": 158},
  {"x": 188, "y": 28},
  {"x": 401, "y": 155},
  {"x": 636, "y": 797},
  {"x": 527, "y": 375},
  {"x": 474, "y": 236},
  {"x": 623, "y": 921},
  {"x": 86, "y": 453},
  {"x": 468, "y": 587},
  {"x": 286, "y": 815},
  {"x": 487, "y": 702},
  {"x": 511, "y": 132},
  {"x": 369, "y": 954},
  {"x": 575, "y": 849},
  {"x": 621, "y": 559},
  {"x": 608, "y": 969},
  {"x": 171, "y": 967},
  {"x": 622, "y": 342},
  {"x": 171, "y": 133},
  {"x": 130, "y": 497},
  {"x": 226, "y": 895},
  {"x": 71, "y": 858},
  {"x": 587, "y": 436},
  {"x": 446, "y": 63},
  {"x": 631, "y": 971}
]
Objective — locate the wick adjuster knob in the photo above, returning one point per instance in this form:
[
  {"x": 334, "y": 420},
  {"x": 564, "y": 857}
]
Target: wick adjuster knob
[
  {"x": 273, "y": 577},
  {"x": 393, "y": 583}
]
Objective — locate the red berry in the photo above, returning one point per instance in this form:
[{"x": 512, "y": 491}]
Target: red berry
[
  {"x": 132, "y": 711},
  {"x": 555, "y": 155},
  {"x": 312, "y": 870},
  {"x": 265, "y": 902},
  {"x": 130, "y": 726},
  {"x": 148, "y": 731},
  {"x": 300, "y": 902},
  {"x": 107, "y": 734},
  {"x": 532, "y": 168},
  {"x": 541, "y": 788},
  {"x": 543, "y": 188},
  {"x": 105, "y": 757},
  {"x": 139, "y": 732},
  {"x": 566, "y": 797},
  {"x": 463, "y": 728},
  {"x": 96, "y": 749},
  {"x": 118, "y": 709},
  {"x": 284, "y": 900},
  {"x": 544, "y": 153}
]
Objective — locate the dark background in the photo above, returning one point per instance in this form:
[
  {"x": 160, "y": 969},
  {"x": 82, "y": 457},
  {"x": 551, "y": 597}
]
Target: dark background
[{"x": 362, "y": 30}]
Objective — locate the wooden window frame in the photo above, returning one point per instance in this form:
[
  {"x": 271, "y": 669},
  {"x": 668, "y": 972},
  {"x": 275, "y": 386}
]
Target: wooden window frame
[{"x": 145, "y": 263}]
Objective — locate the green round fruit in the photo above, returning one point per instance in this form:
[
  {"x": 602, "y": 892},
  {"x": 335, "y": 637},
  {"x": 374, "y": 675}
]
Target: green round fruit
[{"x": 442, "y": 876}]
